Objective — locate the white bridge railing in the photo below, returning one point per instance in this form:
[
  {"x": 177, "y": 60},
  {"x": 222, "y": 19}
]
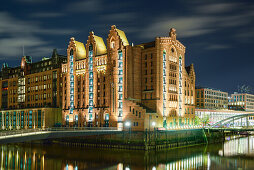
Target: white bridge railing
[{"x": 22, "y": 132}]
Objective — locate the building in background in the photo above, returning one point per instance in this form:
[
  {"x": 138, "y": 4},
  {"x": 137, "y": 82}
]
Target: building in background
[
  {"x": 30, "y": 95},
  {"x": 116, "y": 83},
  {"x": 207, "y": 98},
  {"x": 241, "y": 101},
  {"x": 216, "y": 115}
]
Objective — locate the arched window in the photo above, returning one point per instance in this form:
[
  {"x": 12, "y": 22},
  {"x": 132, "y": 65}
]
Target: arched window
[
  {"x": 112, "y": 44},
  {"x": 71, "y": 52}
]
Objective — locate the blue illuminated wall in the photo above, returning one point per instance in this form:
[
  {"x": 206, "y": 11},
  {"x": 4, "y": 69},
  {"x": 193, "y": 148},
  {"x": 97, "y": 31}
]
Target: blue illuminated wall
[
  {"x": 91, "y": 93},
  {"x": 71, "y": 83},
  {"x": 180, "y": 86},
  {"x": 120, "y": 85},
  {"x": 164, "y": 90}
]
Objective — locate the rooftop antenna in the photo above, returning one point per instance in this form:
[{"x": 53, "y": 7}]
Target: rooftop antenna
[{"x": 23, "y": 50}]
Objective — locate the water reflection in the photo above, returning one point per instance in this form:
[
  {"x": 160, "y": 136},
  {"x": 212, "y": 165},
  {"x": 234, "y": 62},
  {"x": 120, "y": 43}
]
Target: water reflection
[
  {"x": 236, "y": 153},
  {"x": 238, "y": 146}
]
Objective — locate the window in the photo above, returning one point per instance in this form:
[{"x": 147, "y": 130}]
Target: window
[
  {"x": 91, "y": 96},
  {"x": 120, "y": 96},
  {"x": 91, "y": 89},
  {"x": 120, "y": 88},
  {"x": 120, "y": 80},
  {"x": 120, "y": 72},
  {"x": 120, "y": 56},
  {"x": 112, "y": 44},
  {"x": 120, "y": 64},
  {"x": 91, "y": 82},
  {"x": 30, "y": 118},
  {"x": 120, "y": 105}
]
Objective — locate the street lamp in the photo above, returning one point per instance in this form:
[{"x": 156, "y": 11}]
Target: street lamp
[
  {"x": 128, "y": 125},
  {"x": 153, "y": 124}
]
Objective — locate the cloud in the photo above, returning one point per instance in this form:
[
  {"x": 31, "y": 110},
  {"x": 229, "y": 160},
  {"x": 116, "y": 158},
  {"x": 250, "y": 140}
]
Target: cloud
[
  {"x": 47, "y": 15},
  {"x": 15, "y": 33},
  {"x": 12, "y": 46},
  {"x": 10, "y": 25},
  {"x": 217, "y": 47},
  {"x": 188, "y": 26},
  {"x": 198, "y": 24},
  {"x": 216, "y": 8},
  {"x": 33, "y": 1},
  {"x": 86, "y": 6},
  {"x": 119, "y": 17}
]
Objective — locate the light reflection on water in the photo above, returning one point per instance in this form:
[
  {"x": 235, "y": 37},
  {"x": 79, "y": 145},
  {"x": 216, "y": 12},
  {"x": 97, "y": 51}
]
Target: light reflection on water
[{"x": 236, "y": 153}]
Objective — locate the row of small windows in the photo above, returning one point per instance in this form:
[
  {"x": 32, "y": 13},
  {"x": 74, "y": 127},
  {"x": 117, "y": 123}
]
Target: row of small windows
[
  {"x": 172, "y": 81},
  {"x": 135, "y": 112},
  {"x": 171, "y": 74},
  {"x": 102, "y": 61},
  {"x": 188, "y": 92},
  {"x": 189, "y": 101},
  {"x": 39, "y": 78},
  {"x": 146, "y": 56},
  {"x": 172, "y": 66},
  {"x": 173, "y": 98}
]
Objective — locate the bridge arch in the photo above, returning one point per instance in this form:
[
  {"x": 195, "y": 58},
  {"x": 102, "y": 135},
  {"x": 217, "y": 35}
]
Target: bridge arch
[{"x": 232, "y": 120}]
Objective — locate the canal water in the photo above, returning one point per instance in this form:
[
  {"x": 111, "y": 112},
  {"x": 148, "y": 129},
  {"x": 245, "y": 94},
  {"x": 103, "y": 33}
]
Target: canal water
[{"x": 234, "y": 153}]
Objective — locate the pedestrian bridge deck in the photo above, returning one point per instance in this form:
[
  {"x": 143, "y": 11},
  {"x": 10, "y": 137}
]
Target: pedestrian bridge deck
[{"x": 16, "y": 136}]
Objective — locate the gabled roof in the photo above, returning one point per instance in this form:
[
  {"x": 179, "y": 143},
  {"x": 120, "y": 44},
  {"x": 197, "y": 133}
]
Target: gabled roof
[
  {"x": 123, "y": 37},
  {"x": 100, "y": 46},
  {"x": 80, "y": 50}
]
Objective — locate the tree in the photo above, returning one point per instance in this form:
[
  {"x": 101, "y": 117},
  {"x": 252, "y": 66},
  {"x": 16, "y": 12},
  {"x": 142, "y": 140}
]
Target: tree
[
  {"x": 244, "y": 89},
  {"x": 202, "y": 121}
]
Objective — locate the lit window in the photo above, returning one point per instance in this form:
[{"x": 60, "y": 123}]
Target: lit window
[
  {"x": 120, "y": 105},
  {"x": 120, "y": 64},
  {"x": 91, "y": 75},
  {"x": 120, "y": 88},
  {"x": 72, "y": 78},
  {"x": 120, "y": 80},
  {"x": 91, "y": 82},
  {"x": 91, "y": 89},
  {"x": 91, "y": 96},
  {"x": 120, "y": 96},
  {"x": 120, "y": 56},
  {"x": 120, "y": 72},
  {"x": 112, "y": 45}
]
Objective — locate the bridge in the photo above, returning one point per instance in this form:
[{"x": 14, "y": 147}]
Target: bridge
[
  {"x": 49, "y": 133},
  {"x": 243, "y": 121}
]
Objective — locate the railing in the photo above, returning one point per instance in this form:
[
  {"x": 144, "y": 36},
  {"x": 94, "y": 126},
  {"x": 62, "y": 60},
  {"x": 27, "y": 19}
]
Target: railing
[
  {"x": 71, "y": 129},
  {"x": 17, "y": 132},
  {"x": 80, "y": 128}
]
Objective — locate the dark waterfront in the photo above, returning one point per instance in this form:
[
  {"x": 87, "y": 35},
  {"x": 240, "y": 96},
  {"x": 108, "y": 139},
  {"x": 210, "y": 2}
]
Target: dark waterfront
[{"x": 233, "y": 154}]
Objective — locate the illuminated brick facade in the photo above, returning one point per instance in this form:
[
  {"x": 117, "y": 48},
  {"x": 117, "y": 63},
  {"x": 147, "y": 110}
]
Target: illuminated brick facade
[
  {"x": 31, "y": 93},
  {"x": 108, "y": 85},
  {"x": 241, "y": 101},
  {"x": 207, "y": 98}
]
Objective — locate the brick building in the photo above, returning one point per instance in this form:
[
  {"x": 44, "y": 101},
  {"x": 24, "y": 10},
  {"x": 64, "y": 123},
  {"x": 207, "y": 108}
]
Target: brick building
[
  {"x": 30, "y": 95},
  {"x": 207, "y": 98},
  {"x": 241, "y": 101},
  {"x": 114, "y": 83}
]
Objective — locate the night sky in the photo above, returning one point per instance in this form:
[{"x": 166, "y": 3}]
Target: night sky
[{"x": 218, "y": 35}]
